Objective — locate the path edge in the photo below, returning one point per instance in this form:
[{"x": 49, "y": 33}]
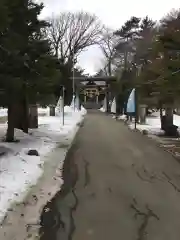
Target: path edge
[{"x": 22, "y": 220}]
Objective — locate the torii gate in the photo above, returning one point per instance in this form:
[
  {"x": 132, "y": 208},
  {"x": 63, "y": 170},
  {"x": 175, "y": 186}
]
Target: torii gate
[{"x": 93, "y": 89}]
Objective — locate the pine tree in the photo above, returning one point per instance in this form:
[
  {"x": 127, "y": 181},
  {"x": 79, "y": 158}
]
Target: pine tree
[{"x": 25, "y": 59}]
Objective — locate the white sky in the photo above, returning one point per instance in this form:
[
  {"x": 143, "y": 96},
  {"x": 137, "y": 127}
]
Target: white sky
[{"x": 112, "y": 13}]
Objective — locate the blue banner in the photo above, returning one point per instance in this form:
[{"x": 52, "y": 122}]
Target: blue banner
[{"x": 131, "y": 102}]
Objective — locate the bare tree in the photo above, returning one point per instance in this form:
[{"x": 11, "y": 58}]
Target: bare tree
[
  {"x": 70, "y": 33},
  {"x": 107, "y": 44}
]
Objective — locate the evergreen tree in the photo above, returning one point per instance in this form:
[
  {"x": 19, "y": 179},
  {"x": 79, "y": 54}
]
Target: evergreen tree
[
  {"x": 25, "y": 59},
  {"x": 161, "y": 75},
  {"x": 125, "y": 50}
]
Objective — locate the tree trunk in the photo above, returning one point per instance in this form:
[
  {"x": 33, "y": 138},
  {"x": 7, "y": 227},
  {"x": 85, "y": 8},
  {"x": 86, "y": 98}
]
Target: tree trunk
[
  {"x": 167, "y": 123},
  {"x": 136, "y": 99},
  {"x": 11, "y": 118},
  {"x": 109, "y": 67},
  {"x": 18, "y": 116},
  {"x": 107, "y": 102},
  {"x": 25, "y": 123},
  {"x": 169, "y": 115},
  {"x": 161, "y": 113},
  {"x": 33, "y": 116},
  {"x": 68, "y": 95},
  {"x": 52, "y": 111},
  {"x": 120, "y": 105},
  {"x": 22, "y": 115}
]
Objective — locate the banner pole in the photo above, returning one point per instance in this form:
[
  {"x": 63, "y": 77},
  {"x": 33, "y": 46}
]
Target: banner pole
[{"x": 135, "y": 100}]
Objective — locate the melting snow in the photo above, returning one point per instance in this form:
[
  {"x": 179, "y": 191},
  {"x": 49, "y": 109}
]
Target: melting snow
[
  {"x": 18, "y": 171},
  {"x": 153, "y": 124}
]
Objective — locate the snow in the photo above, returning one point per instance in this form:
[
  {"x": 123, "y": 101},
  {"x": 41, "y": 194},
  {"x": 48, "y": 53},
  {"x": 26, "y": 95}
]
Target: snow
[
  {"x": 3, "y": 112},
  {"x": 177, "y": 120},
  {"x": 153, "y": 124},
  {"x": 102, "y": 109},
  {"x": 43, "y": 111},
  {"x": 122, "y": 117},
  {"x": 19, "y": 171}
]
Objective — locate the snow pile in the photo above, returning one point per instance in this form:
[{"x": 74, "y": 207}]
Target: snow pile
[
  {"x": 70, "y": 109},
  {"x": 83, "y": 111},
  {"x": 122, "y": 117},
  {"x": 177, "y": 120},
  {"x": 102, "y": 109},
  {"x": 19, "y": 171}
]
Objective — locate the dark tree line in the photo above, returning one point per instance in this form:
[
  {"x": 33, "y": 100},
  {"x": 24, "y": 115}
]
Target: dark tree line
[{"x": 146, "y": 56}]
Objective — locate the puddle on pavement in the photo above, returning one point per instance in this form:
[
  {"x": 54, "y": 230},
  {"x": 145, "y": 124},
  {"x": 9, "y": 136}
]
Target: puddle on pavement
[{"x": 49, "y": 221}]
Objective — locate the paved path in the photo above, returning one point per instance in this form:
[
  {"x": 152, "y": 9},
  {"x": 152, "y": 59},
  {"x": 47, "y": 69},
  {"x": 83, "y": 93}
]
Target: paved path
[{"x": 118, "y": 185}]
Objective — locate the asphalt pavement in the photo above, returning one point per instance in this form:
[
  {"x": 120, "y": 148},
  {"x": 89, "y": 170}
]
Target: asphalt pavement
[{"x": 118, "y": 185}]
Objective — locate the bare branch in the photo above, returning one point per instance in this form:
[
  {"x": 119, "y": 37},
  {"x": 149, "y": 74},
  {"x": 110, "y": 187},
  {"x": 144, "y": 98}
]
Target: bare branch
[
  {"x": 107, "y": 44},
  {"x": 70, "y": 33}
]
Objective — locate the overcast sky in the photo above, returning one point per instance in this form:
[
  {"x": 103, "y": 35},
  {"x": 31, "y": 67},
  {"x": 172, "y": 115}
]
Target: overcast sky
[{"x": 113, "y": 13}]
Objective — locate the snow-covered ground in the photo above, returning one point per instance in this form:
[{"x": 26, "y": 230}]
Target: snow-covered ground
[
  {"x": 44, "y": 111},
  {"x": 19, "y": 171},
  {"x": 153, "y": 124}
]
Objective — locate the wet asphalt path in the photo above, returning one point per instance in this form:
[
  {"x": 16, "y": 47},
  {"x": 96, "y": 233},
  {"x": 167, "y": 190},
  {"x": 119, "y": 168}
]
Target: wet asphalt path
[{"x": 118, "y": 185}]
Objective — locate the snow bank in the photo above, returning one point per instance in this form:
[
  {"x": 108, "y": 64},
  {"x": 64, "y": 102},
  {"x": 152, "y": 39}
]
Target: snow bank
[
  {"x": 177, "y": 120},
  {"x": 83, "y": 111},
  {"x": 70, "y": 110},
  {"x": 19, "y": 171}
]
